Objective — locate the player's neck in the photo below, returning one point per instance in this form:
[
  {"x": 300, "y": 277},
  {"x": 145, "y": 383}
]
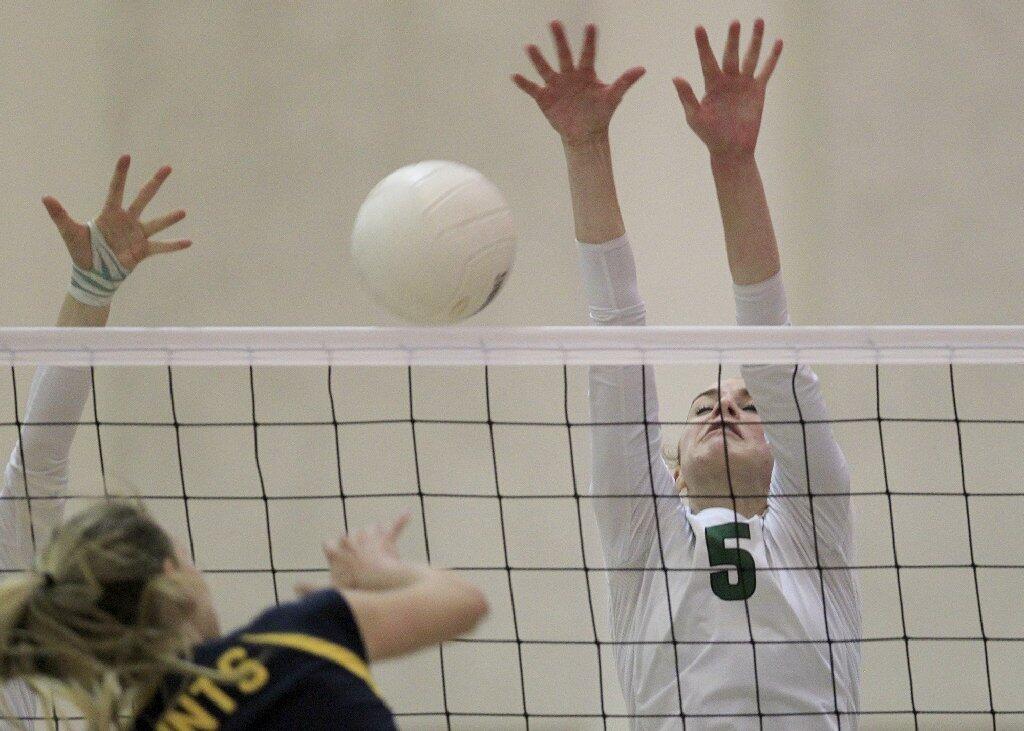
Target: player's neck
[{"x": 748, "y": 507}]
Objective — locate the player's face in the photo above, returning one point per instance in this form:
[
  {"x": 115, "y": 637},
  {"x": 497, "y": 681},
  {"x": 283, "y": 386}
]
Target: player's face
[
  {"x": 205, "y": 620},
  {"x": 720, "y": 420}
]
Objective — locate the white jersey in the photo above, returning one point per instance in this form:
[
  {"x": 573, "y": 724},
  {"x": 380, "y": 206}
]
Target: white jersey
[
  {"x": 57, "y": 397},
  {"x": 723, "y": 622}
]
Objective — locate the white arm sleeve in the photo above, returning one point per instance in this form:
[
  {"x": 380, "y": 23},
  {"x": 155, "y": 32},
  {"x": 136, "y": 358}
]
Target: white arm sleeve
[
  {"x": 39, "y": 461},
  {"x": 55, "y": 404},
  {"x": 786, "y": 393},
  {"x": 626, "y": 450}
]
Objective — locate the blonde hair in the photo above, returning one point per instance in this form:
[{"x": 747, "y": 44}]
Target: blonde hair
[
  {"x": 99, "y": 622},
  {"x": 670, "y": 450}
]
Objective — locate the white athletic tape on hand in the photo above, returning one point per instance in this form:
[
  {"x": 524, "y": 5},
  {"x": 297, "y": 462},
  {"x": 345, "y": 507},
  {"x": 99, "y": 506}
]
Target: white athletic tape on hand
[{"x": 96, "y": 286}]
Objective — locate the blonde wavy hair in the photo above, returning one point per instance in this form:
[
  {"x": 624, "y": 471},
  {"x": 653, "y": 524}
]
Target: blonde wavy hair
[
  {"x": 99, "y": 622},
  {"x": 670, "y": 450}
]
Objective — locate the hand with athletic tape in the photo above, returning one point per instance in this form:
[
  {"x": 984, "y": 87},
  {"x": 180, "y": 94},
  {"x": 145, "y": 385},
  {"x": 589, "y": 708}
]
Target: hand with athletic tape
[{"x": 106, "y": 249}]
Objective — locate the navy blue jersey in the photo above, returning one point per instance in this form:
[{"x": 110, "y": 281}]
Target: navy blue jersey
[{"x": 298, "y": 666}]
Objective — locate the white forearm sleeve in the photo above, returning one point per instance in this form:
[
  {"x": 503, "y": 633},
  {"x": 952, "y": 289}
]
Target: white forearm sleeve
[
  {"x": 792, "y": 394},
  {"x": 626, "y": 450},
  {"x": 55, "y": 405}
]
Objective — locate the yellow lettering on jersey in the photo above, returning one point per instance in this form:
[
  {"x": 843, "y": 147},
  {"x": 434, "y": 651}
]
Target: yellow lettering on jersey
[
  {"x": 188, "y": 715},
  {"x": 205, "y": 687},
  {"x": 251, "y": 673},
  {"x": 321, "y": 648}
]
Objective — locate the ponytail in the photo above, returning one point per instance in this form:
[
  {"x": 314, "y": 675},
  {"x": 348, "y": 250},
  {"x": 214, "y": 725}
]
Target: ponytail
[{"x": 100, "y": 622}]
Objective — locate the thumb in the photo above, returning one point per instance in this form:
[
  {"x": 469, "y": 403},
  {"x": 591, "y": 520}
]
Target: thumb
[
  {"x": 625, "y": 82},
  {"x": 64, "y": 223},
  {"x": 399, "y": 525},
  {"x": 686, "y": 96}
]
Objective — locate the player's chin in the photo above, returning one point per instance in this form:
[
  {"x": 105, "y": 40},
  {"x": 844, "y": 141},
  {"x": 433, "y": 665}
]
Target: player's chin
[
  {"x": 711, "y": 453},
  {"x": 716, "y": 441}
]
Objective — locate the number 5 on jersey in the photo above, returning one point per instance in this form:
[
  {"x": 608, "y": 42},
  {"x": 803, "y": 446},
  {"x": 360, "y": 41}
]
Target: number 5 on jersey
[{"x": 739, "y": 560}]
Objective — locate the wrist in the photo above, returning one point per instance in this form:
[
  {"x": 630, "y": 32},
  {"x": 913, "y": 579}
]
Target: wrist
[
  {"x": 728, "y": 161},
  {"x": 597, "y": 143},
  {"x": 393, "y": 576},
  {"x": 95, "y": 287},
  {"x": 74, "y": 313}
]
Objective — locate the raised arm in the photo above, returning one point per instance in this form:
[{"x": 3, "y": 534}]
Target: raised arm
[
  {"x": 103, "y": 252},
  {"x": 400, "y": 607},
  {"x": 579, "y": 106},
  {"x": 728, "y": 120},
  {"x": 626, "y": 454}
]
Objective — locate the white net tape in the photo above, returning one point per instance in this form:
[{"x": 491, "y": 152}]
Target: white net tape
[{"x": 509, "y": 345}]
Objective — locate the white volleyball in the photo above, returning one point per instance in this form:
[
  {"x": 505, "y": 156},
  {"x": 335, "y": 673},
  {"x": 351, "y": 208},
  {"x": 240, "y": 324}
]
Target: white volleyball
[{"x": 434, "y": 242}]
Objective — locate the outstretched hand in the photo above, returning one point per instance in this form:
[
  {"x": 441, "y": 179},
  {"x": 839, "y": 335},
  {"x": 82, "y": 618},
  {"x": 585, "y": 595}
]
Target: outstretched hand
[
  {"x": 728, "y": 118},
  {"x": 576, "y": 103},
  {"x": 367, "y": 559},
  {"x": 126, "y": 234}
]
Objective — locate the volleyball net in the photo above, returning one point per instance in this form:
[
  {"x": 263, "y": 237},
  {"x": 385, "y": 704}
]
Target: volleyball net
[{"x": 254, "y": 445}]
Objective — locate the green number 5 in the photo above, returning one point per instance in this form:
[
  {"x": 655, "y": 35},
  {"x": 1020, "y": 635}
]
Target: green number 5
[{"x": 741, "y": 561}]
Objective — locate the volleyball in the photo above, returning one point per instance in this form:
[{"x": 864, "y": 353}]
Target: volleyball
[{"x": 434, "y": 242}]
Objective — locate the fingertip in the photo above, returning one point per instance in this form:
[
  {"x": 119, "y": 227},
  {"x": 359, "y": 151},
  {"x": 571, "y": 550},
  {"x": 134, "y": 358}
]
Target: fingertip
[
  {"x": 52, "y": 206},
  {"x": 758, "y": 23}
]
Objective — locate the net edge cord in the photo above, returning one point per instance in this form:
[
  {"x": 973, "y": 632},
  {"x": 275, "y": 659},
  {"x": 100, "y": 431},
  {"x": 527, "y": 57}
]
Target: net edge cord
[{"x": 577, "y": 345}]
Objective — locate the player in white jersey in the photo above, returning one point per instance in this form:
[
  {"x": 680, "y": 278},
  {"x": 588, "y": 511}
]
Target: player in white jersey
[
  {"x": 736, "y": 610},
  {"x": 103, "y": 253}
]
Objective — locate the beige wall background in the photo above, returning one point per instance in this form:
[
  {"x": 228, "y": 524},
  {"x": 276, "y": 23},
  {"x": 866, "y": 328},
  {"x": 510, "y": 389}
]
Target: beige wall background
[{"x": 892, "y": 154}]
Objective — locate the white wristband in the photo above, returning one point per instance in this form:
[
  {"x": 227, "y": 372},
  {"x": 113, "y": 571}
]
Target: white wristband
[{"x": 96, "y": 286}]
